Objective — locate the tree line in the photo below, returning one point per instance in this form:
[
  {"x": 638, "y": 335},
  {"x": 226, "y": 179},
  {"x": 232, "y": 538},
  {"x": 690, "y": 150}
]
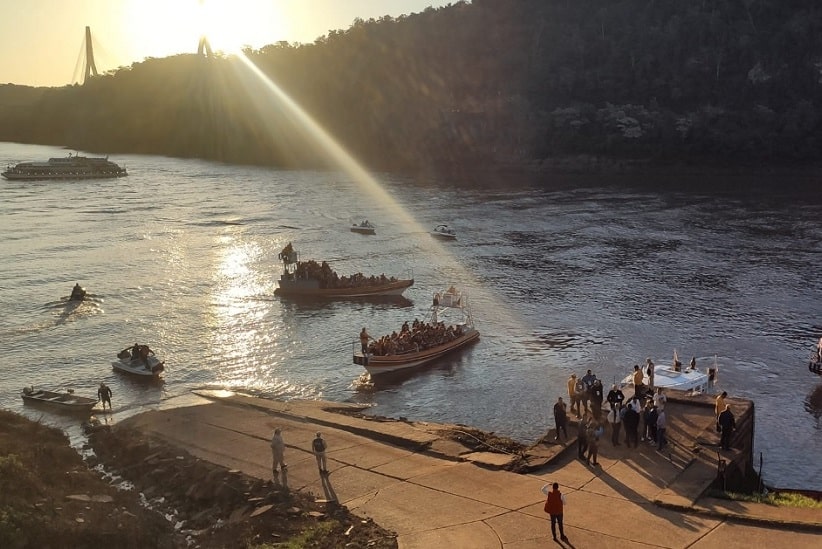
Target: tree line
[{"x": 491, "y": 82}]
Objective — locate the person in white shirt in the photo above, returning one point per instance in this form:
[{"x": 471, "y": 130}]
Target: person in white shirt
[{"x": 660, "y": 399}]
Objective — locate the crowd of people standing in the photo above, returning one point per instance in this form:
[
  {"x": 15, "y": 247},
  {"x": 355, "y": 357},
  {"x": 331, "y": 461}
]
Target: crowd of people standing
[{"x": 642, "y": 416}]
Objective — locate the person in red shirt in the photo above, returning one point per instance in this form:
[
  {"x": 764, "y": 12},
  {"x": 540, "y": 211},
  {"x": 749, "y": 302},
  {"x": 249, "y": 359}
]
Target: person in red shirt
[{"x": 553, "y": 506}]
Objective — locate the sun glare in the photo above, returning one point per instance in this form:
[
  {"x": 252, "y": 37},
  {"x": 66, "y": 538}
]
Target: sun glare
[{"x": 163, "y": 28}]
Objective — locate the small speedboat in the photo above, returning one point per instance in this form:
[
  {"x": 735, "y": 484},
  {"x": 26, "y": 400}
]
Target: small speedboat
[
  {"x": 690, "y": 379},
  {"x": 59, "y": 400},
  {"x": 366, "y": 227},
  {"x": 444, "y": 232},
  {"x": 139, "y": 361}
]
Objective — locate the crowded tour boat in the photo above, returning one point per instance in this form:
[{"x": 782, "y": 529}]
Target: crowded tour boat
[
  {"x": 310, "y": 279},
  {"x": 422, "y": 341}
]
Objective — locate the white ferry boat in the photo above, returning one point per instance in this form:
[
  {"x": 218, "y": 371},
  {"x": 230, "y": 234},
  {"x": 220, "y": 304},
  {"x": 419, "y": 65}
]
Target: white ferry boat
[{"x": 71, "y": 167}]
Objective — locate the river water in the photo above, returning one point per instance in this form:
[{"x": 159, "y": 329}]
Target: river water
[{"x": 563, "y": 275}]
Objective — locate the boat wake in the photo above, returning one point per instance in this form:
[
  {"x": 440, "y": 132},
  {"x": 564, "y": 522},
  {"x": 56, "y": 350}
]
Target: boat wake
[{"x": 69, "y": 311}]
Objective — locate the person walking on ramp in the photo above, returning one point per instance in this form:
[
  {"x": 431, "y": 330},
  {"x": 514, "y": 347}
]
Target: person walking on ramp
[
  {"x": 554, "y": 506},
  {"x": 318, "y": 446}
]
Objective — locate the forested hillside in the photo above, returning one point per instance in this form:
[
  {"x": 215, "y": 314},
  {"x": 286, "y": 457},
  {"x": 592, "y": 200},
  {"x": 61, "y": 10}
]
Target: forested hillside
[{"x": 491, "y": 82}]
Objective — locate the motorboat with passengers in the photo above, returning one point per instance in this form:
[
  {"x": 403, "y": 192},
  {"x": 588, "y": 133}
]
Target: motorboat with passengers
[
  {"x": 366, "y": 227},
  {"x": 691, "y": 379},
  {"x": 444, "y": 232},
  {"x": 140, "y": 361}
]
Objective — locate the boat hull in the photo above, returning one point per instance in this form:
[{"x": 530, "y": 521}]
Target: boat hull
[
  {"x": 137, "y": 368},
  {"x": 364, "y": 230},
  {"x": 376, "y": 365},
  {"x": 444, "y": 236},
  {"x": 66, "y": 402},
  {"x": 310, "y": 288},
  {"x": 45, "y": 177},
  {"x": 73, "y": 167}
]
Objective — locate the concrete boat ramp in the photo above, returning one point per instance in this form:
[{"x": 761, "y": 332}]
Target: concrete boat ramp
[{"x": 411, "y": 478}]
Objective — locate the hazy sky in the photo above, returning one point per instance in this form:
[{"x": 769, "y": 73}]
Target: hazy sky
[{"x": 41, "y": 40}]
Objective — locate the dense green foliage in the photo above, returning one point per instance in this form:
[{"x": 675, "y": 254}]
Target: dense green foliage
[{"x": 505, "y": 82}]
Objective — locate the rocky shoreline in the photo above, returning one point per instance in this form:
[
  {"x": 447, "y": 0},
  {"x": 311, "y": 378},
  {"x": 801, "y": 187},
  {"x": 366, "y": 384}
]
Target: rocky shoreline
[
  {"x": 212, "y": 506},
  {"x": 137, "y": 492}
]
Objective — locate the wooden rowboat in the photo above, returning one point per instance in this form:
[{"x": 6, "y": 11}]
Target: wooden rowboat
[{"x": 60, "y": 400}]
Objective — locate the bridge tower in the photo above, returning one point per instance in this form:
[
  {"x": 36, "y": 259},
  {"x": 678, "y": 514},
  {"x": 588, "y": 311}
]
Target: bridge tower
[
  {"x": 90, "y": 68},
  {"x": 204, "y": 48}
]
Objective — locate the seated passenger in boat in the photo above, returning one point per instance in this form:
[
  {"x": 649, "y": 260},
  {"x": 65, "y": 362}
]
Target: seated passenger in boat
[{"x": 144, "y": 352}]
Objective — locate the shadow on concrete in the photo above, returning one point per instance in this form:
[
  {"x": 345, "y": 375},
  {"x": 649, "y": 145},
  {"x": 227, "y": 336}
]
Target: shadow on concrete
[
  {"x": 328, "y": 490},
  {"x": 680, "y": 520}
]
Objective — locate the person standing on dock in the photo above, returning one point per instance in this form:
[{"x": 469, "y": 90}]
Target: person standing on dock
[
  {"x": 582, "y": 437},
  {"x": 661, "y": 429},
  {"x": 660, "y": 399},
  {"x": 719, "y": 407},
  {"x": 650, "y": 422},
  {"x": 596, "y": 399},
  {"x": 649, "y": 370},
  {"x": 572, "y": 395},
  {"x": 592, "y": 433},
  {"x": 615, "y": 397},
  {"x": 615, "y": 419},
  {"x": 630, "y": 421},
  {"x": 639, "y": 388},
  {"x": 554, "y": 506},
  {"x": 727, "y": 424},
  {"x": 581, "y": 396},
  {"x": 560, "y": 418},
  {"x": 588, "y": 381},
  {"x": 318, "y": 447}
]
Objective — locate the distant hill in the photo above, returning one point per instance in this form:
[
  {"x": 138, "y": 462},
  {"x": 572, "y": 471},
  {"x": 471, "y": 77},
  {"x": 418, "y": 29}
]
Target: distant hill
[{"x": 493, "y": 83}]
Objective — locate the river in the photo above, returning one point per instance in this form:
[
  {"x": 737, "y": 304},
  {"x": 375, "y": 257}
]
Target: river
[{"x": 563, "y": 274}]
